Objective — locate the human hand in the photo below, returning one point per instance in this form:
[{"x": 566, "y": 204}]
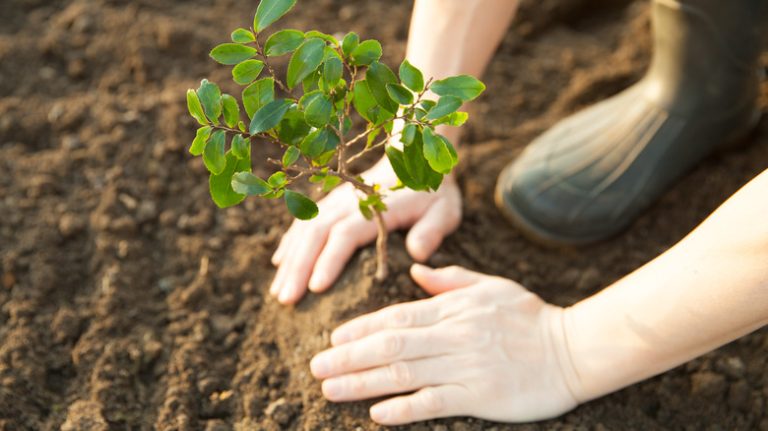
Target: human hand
[
  {"x": 313, "y": 253},
  {"x": 487, "y": 348}
]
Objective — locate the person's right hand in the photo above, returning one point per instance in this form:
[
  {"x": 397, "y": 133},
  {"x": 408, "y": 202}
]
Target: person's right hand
[{"x": 313, "y": 253}]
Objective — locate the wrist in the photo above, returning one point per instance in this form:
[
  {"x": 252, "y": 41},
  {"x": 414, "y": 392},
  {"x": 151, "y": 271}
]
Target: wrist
[{"x": 558, "y": 329}]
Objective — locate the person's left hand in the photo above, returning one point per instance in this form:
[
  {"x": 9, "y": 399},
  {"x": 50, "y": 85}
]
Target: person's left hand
[{"x": 487, "y": 348}]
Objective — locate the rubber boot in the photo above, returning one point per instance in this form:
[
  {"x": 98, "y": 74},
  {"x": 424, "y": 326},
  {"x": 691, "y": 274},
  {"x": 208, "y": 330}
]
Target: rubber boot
[{"x": 592, "y": 174}]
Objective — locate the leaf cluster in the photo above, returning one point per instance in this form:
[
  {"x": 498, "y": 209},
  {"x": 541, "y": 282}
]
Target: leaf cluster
[{"x": 309, "y": 115}]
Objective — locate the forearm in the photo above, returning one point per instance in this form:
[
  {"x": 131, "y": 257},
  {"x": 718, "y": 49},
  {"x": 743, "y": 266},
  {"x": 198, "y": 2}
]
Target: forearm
[
  {"x": 454, "y": 37},
  {"x": 707, "y": 290}
]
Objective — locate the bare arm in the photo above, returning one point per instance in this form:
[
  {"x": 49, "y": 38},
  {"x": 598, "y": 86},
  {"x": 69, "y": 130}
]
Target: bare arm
[
  {"x": 709, "y": 289},
  {"x": 454, "y": 37},
  {"x": 486, "y": 347}
]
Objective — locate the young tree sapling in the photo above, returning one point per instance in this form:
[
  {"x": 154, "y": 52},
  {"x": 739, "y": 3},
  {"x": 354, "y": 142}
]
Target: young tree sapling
[{"x": 314, "y": 129}]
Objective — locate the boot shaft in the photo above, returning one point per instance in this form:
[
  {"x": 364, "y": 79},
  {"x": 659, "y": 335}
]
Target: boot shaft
[{"x": 706, "y": 53}]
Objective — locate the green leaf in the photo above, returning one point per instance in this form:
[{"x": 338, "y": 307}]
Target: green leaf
[
  {"x": 349, "y": 43},
  {"x": 283, "y": 42},
  {"x": 213, "y": 155},
  {"x": 241, "y": 147},
  {"x": 232, "y": 53},
  {"x": 305, "y": 61},
  {"x": 231, "y": 110},
  {"x": 317, "y": 109},
  {"x": 410, "y": 131},
  {"x": 428, "y": 104},
  {"x": 293, "y": 128},
  {"x": 363, "y": 101},
  {"x": 269, "y": 116},
  {"x": 195, "y": 108},
  {"x": 270, "y": 11},
  {"x": 366, "y": 53},
  {"x": 245, "y": 183},
  {"x": 400, "y": 94},
  {"x": 277, "y": 180},
  {"x": 258, "y": 94},
  {"x": 365, "y": 209},
  {"x": 291, "y": 155},
  {"x": 302, "y": 207},
  {"x": 372, "y": 137},
  {"x": 246, "y": 72},
  {"x": 397, "y": 160},
  {"x": 210, "y": 97},
  {"x": 220, "y": 185},
  {"x": 330, "y": 183},
  {"x": 377, "y": 77},
  {"x": 319, "y": 142},
  {"x": 438, "y": 152},
  {"x": 333, "y": 69},
  {"x": 455, "y": 119},
  {"x": 242, "y": 35},
  {"x": 445, "y": 106},
  {"x": 411, "y": 76},
  {"x": 464, "y": 87},
  {"x": 320, "y": 35},
  {"x": 418, "y": 167},
  {"x": 201, "y": 138},
  {"x": 311, "y": 83}
]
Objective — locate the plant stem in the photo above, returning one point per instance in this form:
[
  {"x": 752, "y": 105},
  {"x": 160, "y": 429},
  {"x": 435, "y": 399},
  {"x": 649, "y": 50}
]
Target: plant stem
[{"x": 381, "y": 247}]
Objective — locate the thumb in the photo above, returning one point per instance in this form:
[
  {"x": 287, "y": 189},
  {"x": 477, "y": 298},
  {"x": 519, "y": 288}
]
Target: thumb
[
  {"x": 437, "y": 281},
  {"x": 428, "y": 232}
]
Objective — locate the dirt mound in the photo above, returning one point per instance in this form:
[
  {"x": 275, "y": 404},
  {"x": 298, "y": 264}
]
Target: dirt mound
[{"x": 130, "y": 302}]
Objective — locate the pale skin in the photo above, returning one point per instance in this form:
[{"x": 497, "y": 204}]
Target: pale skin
[{"x": 484, "y": 346}]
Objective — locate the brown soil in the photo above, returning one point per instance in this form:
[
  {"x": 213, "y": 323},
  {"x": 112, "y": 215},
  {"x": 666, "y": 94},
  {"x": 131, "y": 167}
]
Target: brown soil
[{"x": 130, "y": 302}]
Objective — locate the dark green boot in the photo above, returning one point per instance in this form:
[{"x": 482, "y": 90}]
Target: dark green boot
[{"x": 593, "y": 173}]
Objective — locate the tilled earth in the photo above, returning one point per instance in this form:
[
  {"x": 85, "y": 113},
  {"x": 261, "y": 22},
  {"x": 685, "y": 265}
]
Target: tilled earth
[{"x": 129, "y": 302}]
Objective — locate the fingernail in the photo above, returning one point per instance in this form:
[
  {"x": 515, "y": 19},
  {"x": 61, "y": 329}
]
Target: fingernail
[
  {"x": 315, "y": 283},
  {"x": 285, "y": 295},
  {"x": 319, "y": 366},
  {"x": 379, "y": 413},
  {"x": 332, "y": 388}
]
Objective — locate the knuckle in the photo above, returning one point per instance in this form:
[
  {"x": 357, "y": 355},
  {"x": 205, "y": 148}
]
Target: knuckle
[
  {"x": 355, "y": 384},
  {"x": 431, "y": 400},
  {"x": 391, "y": 345},
  {"x": 401, "y": 374},
  {"x": 400, "y": 318},
  {"x": 343, "y": 359}
]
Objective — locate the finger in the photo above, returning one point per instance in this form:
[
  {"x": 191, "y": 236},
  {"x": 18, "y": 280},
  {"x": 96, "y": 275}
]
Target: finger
[
  {"x": 345, "y": 237},
  {"x": 395, "y": 378},
  {"x": 399, "y": 316},
  {"x": 282, "y": 268},
  {"x": 427, "y": 234},
  {"x": 428, "y": 403},
  {"x": 437, "y": 281},
  {"x": 301, "y": 260},
  {"x": 382, "y": 348},
  {"x": 285, "y": 241}
]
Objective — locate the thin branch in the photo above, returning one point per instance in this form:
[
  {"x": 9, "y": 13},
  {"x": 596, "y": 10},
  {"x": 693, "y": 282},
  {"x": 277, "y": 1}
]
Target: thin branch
[{"x": 269, "y": 67}]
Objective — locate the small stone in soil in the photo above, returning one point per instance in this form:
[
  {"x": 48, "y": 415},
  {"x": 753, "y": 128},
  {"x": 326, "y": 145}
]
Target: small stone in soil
[
  {"x": 732, "y": 367},
  {"x": 217, "y": 425},
  {"x": 707, "y": 384}
]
